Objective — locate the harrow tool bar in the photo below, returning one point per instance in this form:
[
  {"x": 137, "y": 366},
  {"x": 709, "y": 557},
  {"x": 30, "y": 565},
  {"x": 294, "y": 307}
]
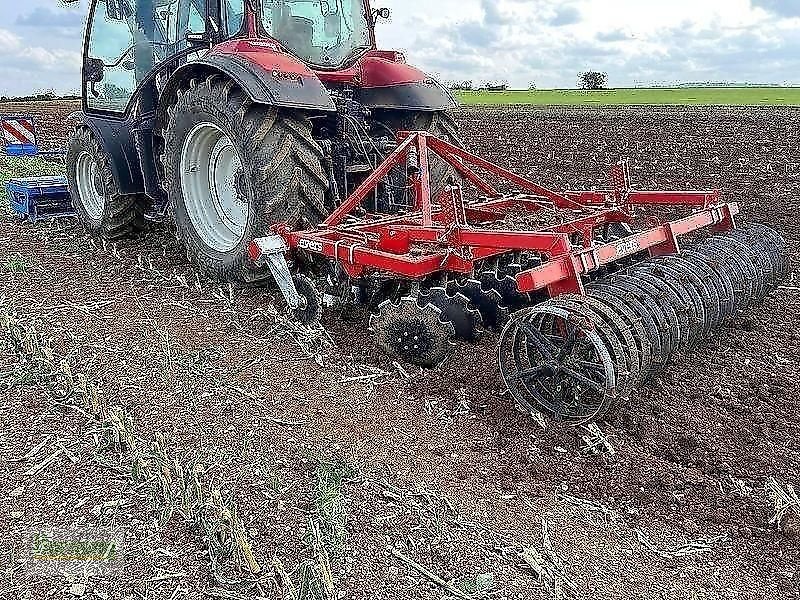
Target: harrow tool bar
[{"x": 449, "y": 234}]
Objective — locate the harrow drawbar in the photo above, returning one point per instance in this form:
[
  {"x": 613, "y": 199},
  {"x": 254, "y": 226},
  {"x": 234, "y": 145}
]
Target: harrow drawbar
[{"x": 593, "y": 292}]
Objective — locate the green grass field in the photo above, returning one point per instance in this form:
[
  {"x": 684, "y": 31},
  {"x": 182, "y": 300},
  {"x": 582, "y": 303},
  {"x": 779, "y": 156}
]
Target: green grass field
[{"x": 755, "y": 96}]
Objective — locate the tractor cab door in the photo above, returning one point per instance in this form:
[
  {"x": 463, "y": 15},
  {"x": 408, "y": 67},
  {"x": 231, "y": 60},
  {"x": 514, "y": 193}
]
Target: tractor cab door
[{"x": 131, "y": 42}]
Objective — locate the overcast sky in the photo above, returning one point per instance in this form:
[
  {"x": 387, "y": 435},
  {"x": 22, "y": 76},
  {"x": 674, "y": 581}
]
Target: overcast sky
[{"x": 521, "y": 41}]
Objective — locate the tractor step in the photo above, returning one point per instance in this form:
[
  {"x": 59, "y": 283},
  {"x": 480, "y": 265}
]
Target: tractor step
[{"x": 39, "y": 198}]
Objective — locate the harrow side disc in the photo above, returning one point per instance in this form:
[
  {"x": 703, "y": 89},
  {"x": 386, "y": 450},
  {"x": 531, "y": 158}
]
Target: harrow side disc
[
  {"x": 413, "y": 333},
  {"x": 555, "y": 362},
  {"x": 679, "y": 279},
  {"x": 701, "y": 280},
  {"x": 615, "y": 334},
  {"x": 719, "y": 276},
  {"x": 653, "y": 299},
  {"x": 645, "y": 329},
  {"x": 488, "y": 302},
  {"x": 457, "y": 309},
  {"x": 506, "y": 287}
]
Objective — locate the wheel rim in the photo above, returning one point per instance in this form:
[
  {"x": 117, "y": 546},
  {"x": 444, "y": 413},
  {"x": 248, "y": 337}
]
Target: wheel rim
[
  {"x": 210, "y": 165},
  {"x": 90, "y": 187},
  {"x": 571, "y": 380}
]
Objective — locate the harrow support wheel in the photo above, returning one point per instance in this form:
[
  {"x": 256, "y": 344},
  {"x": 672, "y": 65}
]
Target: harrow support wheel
[
  {"x": 553, "y": 361},
  {"x": 310, "y": 309}
]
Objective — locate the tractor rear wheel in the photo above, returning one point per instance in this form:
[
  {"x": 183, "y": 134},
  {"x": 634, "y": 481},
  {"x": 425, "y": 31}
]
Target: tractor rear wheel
[
  {"x": 440, "y": 124},
  {"x": 233, "y": 169},
  {"x": 102, "y": 210}
]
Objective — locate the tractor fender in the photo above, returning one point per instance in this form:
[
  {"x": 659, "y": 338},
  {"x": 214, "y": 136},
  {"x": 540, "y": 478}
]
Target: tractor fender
[
  {"x": 386, "y": 83},
  {"x": 116, "y": 139},
  {"x": 267, "y": 75}
]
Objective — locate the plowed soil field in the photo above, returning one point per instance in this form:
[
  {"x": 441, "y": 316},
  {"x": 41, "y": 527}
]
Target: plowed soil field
[{"x": 424, "y": 484}]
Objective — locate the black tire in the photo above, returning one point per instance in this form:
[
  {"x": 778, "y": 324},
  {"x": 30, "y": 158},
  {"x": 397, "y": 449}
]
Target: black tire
[
  {"x": 281, "y": 179},
  {"x": 101, "y": 209},
  {"x": 439, "y": 123}
]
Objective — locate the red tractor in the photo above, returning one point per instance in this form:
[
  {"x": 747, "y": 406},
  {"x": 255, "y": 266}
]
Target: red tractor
[
  {"x": 284, "y": 144},
  {"x": 235, "y": 115}
]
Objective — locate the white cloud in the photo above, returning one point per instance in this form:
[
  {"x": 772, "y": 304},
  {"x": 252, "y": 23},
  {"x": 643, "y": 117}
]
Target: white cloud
[
  {"x": 34, "y": 68},
  {"x": 550, "y": 41},
  {"x": 546, "y": 41},
  {"x": 8, "y": 41}
]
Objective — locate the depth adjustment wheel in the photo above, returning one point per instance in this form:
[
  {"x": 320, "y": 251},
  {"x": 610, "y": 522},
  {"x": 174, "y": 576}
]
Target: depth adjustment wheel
[
  {"x": 310, "y": 309},
  {"x": 413, "y": 333}
]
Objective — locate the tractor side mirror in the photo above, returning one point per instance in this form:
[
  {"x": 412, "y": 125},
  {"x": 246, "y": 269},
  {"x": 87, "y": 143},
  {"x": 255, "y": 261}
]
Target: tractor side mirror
[
  {"x": 383, "y": 13},
  {"x": 93, "y": 70}
]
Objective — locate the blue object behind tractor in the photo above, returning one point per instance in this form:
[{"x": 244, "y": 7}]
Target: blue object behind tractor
[
  {"x": 36, "y": 198},
  {"x": 40, "y": 198}
]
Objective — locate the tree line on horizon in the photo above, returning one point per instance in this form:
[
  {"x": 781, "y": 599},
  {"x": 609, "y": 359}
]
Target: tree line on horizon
[
  {"x": 40, "y": 96},
  {"x": 587, "y": 80}
]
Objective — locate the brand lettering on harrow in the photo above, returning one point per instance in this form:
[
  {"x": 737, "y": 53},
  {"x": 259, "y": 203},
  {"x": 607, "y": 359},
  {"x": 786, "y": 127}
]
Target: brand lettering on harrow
[
  {"x": 311, "y": 245},
  {"x": 627, "y": 247}
]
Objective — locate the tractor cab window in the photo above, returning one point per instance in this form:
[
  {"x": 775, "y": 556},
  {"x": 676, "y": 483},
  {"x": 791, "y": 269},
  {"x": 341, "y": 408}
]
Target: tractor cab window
[
  {"x": 233, "y": 11},
  {"x": 129, "y": 39},
  {"x": 322, "y": 33},
  {"x": 109, "y": 68}
]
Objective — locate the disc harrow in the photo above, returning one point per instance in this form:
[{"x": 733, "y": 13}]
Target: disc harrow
[{"x": 589, "y": 304}]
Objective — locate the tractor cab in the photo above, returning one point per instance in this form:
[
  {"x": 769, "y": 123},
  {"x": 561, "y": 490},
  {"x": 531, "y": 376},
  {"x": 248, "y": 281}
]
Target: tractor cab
[
  {"x": 130, "y": 41},
  {"x": 325, "y": 34}
]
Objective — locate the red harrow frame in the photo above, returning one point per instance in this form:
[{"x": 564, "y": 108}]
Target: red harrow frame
[
  {"x": 602, "y": 331},
  {"x": 454, "y": 234}
]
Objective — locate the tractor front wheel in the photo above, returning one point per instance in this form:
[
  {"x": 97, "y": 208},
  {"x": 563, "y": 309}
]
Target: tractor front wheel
[
  {"x": 102, "y": 210},
  {"x": 233, "y": 169}
]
